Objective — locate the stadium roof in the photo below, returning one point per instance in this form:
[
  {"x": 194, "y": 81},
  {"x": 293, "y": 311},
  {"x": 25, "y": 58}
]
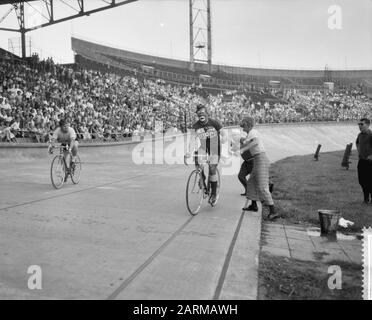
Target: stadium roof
[
  {"x": 11, "y": 2},
  {"x": 50, "y": 5},
  {"x": 50, "y": 19}
]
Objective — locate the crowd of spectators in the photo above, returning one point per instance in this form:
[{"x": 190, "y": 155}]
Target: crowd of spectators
[
  {"x": 34, "y": 96},
  {"x": 296, "y": 107}
]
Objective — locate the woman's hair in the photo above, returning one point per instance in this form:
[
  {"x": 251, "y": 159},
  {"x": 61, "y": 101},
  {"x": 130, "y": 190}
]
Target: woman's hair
[{"x": 248, "y": 120}]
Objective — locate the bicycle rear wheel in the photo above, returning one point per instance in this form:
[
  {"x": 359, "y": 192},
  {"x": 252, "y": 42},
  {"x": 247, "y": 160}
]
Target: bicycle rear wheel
[
  {"x": 194, "y": 192},
  {"x": 58, "y": 172},
  {"x": 76, "y": 171}
]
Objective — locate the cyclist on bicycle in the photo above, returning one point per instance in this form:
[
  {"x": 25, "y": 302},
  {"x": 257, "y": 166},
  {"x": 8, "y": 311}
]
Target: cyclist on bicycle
[
  {"x": 65, "y": 135},
  {"x": 209, "y": 136}
]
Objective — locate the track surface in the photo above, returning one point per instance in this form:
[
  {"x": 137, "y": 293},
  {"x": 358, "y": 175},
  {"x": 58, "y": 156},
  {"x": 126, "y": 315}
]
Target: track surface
[{"x": 124, "y": 232}]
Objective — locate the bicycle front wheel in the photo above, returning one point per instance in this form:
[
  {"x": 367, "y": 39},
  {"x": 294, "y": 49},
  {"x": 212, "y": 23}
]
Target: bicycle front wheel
[
  {"x": 194, "y": 192},
  {"x": 58, "y": 172},
  {"x": 76, "y": 171}
]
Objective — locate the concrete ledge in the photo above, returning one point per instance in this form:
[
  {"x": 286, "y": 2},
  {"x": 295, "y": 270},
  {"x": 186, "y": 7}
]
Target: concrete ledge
[
  {"x": 6, "y": 145},
  {"x": 131, "y": 141},
  {"x": 303, "y": 124}
]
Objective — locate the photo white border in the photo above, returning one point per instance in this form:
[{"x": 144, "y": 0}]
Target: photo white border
[{"x": 367, "y": 263}]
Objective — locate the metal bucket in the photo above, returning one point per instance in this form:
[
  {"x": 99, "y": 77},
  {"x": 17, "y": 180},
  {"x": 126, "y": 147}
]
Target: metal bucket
[{"x": 329, "y": 222}]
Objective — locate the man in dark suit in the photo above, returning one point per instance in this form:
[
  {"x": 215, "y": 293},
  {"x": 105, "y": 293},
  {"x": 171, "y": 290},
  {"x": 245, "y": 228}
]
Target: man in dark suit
[{"x": 364, "y": 146}]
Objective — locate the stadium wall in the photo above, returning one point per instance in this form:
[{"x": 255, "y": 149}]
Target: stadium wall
[
  {"x": 81, "y": 46},
  {"x": 282, "y": 128}
]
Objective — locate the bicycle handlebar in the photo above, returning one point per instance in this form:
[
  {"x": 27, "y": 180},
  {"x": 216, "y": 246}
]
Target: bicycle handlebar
[
  {"x": 201, "y": 162},
  {"x": 52, "y": 146}
]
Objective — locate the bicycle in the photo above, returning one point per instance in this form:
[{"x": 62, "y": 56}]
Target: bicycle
[
  {"x": 60, "y": 171},
  {"x": 199, "y": 187}
]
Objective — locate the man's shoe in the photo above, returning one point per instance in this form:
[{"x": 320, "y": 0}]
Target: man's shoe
[
  {"x": 271, "y": 187},
  {"x": 253, "y": 208},
  {"x": 273, "y": 216}
]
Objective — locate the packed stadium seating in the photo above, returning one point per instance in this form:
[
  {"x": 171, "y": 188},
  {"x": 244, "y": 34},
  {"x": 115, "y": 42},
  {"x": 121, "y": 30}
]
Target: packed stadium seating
[{"x": 108, "y": 103}]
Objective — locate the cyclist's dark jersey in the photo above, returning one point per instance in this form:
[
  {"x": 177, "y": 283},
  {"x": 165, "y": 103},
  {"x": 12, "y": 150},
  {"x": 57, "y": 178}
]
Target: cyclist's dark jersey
[{"x": 209, "y": 135}]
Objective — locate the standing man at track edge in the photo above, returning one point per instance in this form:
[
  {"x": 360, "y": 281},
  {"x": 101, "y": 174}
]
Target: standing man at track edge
[
  {"x": 65, "y": 135},
  {"x": 209, "y": 136},
  {"x": 258, "y": 188},
  {"x": 364, "y": 146}
]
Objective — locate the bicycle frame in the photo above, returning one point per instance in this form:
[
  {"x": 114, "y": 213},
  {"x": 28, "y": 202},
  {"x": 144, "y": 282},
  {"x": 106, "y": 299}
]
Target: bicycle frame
[
  {"x": 202, "y": 190},
  {"x": 200, "y": 167},
  {"x": 70, "y": 168},
  {"x": 64, "y": 151}
]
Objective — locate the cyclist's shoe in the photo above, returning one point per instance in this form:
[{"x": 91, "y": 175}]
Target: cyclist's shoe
[
  {"x": 213, "y": 200},
  {"x": 273, "y": 216}
]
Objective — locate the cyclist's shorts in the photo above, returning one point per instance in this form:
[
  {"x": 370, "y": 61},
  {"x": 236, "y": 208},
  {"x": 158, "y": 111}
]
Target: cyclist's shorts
[
  {"x": 202, "y": 157},
  {"x": 66, "y": 143}
]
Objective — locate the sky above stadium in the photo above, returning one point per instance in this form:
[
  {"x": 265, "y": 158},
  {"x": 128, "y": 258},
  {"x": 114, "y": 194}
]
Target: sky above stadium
[{"x": 291, "y": 34}]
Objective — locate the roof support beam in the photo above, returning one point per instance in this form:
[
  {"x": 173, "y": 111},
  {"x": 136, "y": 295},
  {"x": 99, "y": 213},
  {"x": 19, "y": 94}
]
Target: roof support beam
[
  {"x": 9, "y": 29},
  {"x": 50, "y": 8},
  {"x": 82, "y": 13}
]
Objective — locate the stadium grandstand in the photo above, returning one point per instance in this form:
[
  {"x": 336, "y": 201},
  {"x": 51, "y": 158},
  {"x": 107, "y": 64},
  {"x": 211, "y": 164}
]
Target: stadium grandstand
[
  {"x": 221, "y": 76},
  {"x": 110, "y": 93},
  {"x": 111, "y": 99}
]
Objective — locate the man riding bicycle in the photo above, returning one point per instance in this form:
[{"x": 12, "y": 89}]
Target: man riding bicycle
[
  {"x": 65, "y": 135},
  {"x": 209, "y": 135}
]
